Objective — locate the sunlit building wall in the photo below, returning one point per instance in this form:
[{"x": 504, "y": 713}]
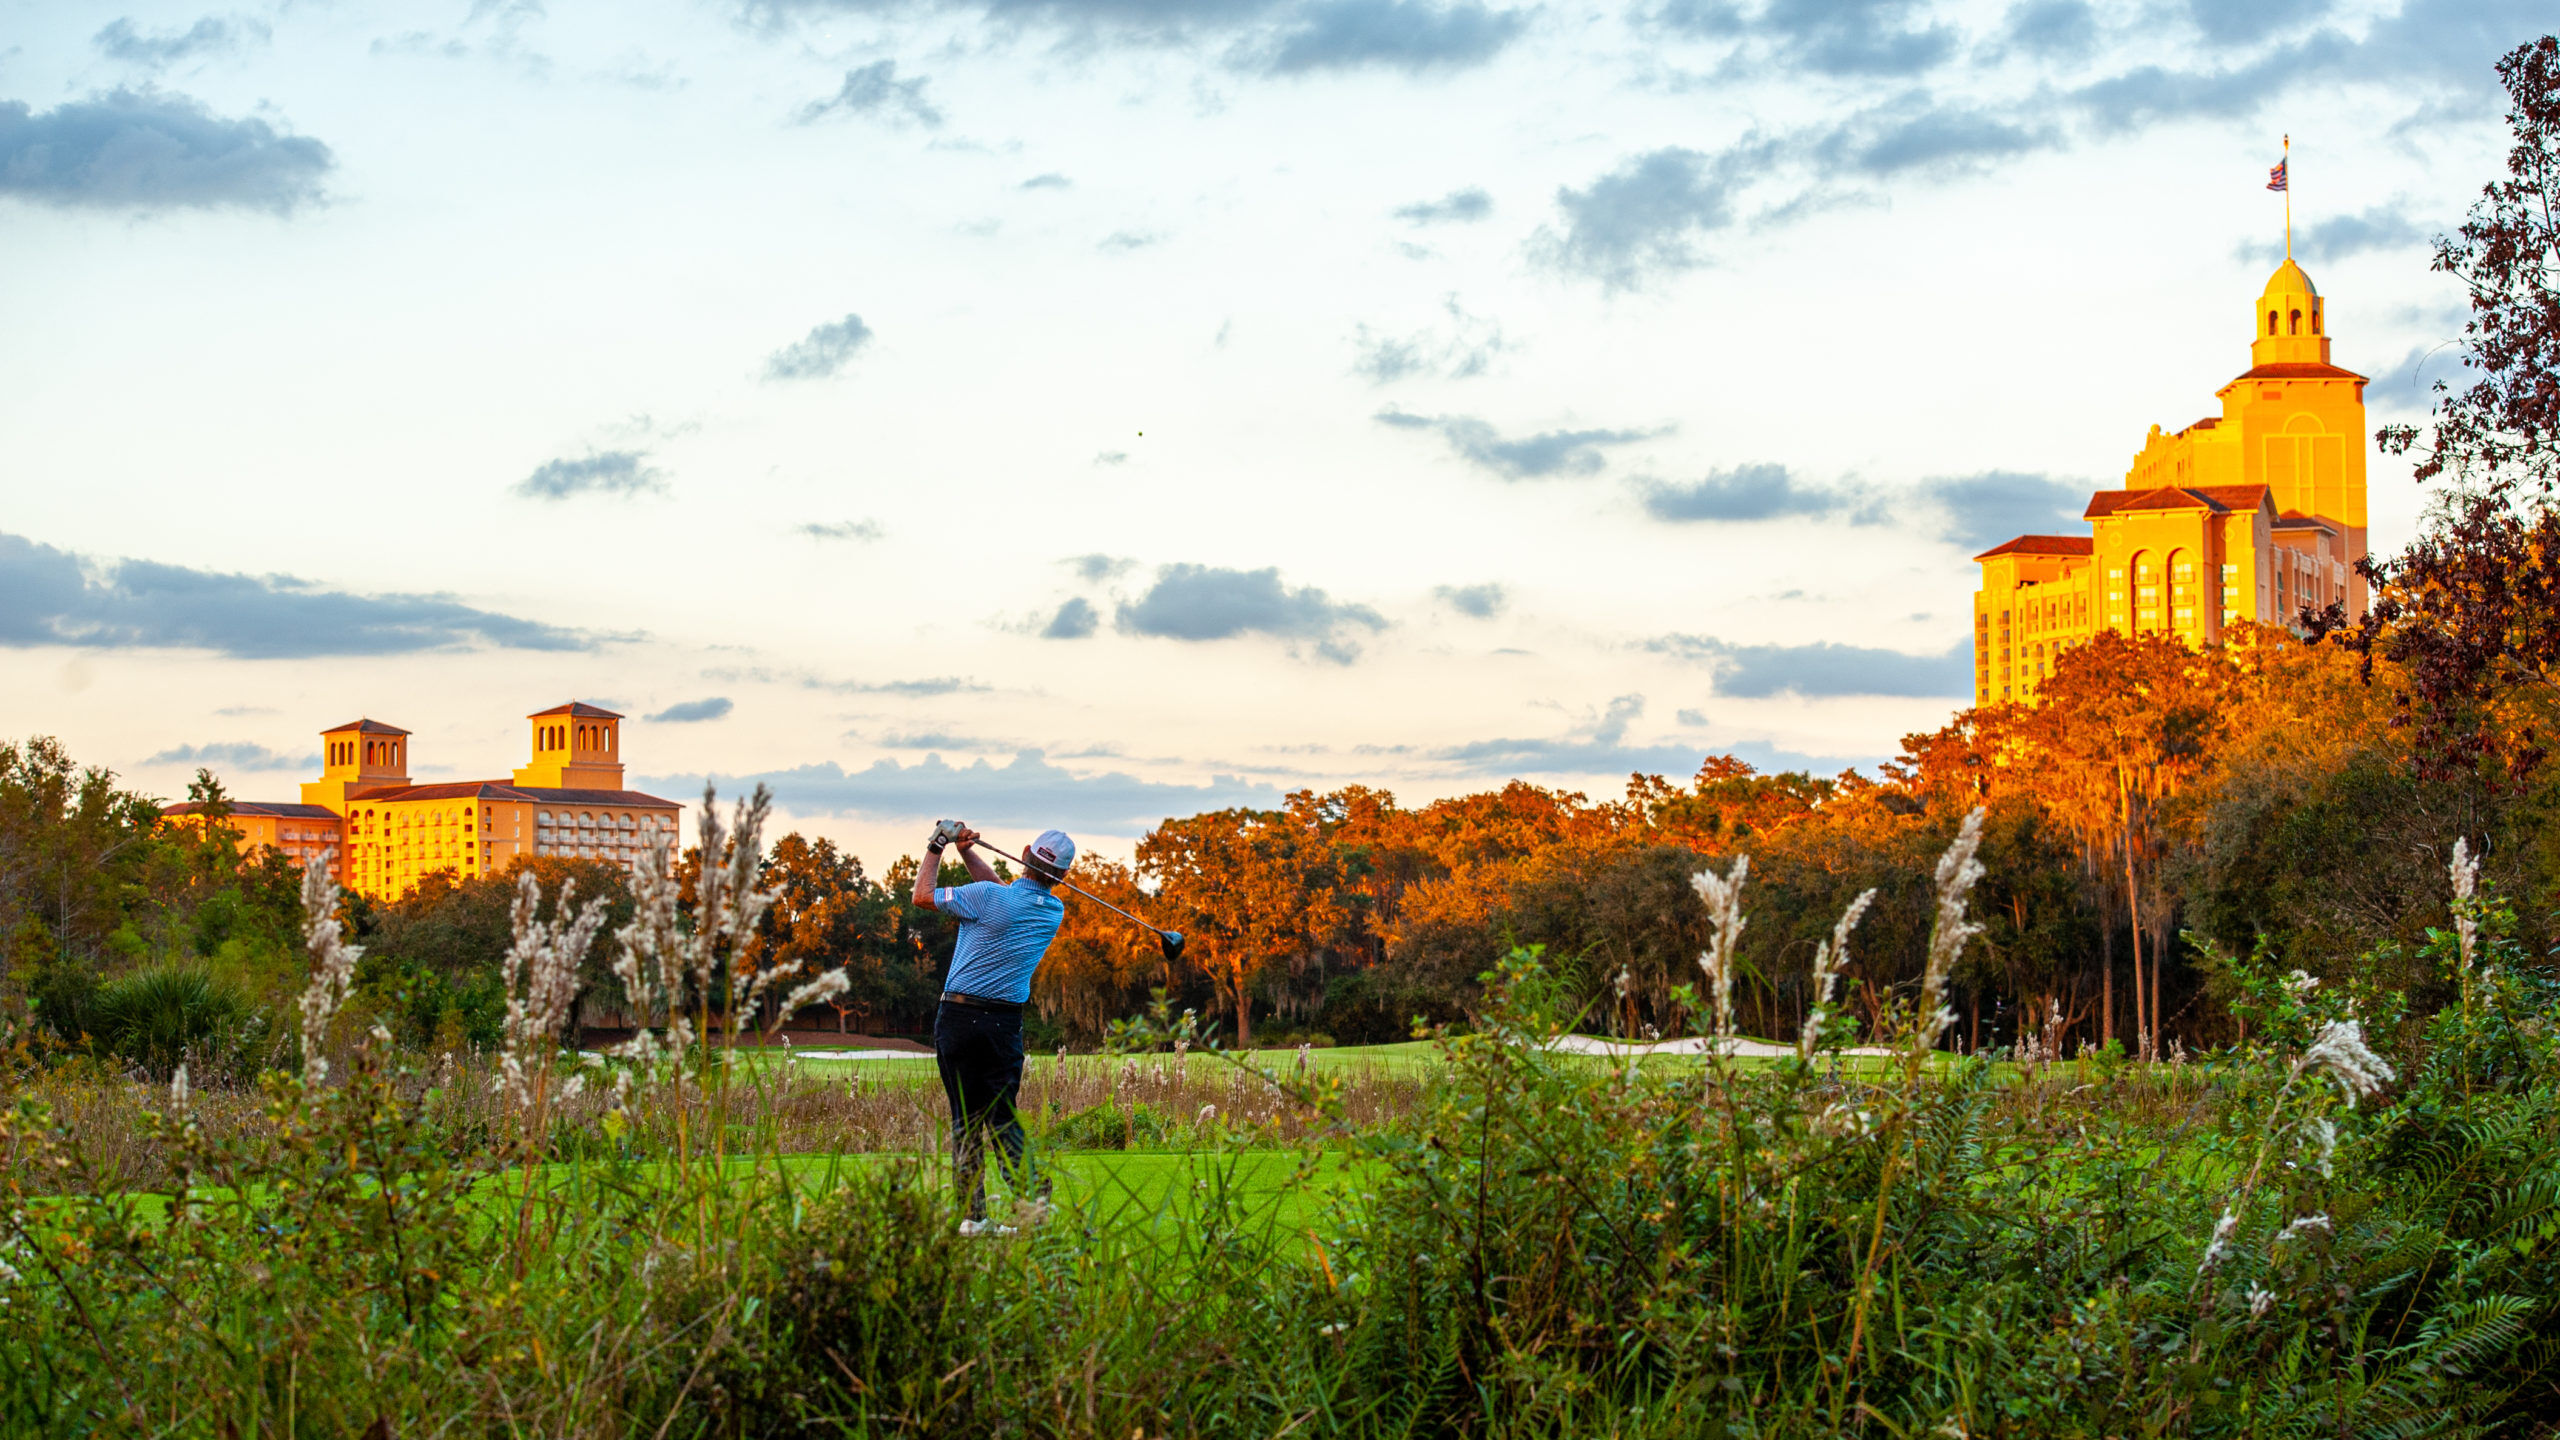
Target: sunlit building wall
[
  {"x": 387, "y": 834},
  {"x": 2250, "y": 515}
]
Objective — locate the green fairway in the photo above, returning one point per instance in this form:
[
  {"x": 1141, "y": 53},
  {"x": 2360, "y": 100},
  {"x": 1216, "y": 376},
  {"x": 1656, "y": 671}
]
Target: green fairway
[
  {"x": 1281, "y": 1191},
  {"x": 1411, "y": 1057},
  {"x": 1254, "y": 1193}
]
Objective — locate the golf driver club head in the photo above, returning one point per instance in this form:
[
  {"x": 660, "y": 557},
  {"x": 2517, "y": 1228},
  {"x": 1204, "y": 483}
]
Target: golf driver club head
[{"x": 1172, "y": 941}]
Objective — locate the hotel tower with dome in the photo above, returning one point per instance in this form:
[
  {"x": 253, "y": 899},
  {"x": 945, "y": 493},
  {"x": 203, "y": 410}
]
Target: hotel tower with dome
[
  {"x": 386, "y": 834},
  {"x": 2248, "y": 515}
]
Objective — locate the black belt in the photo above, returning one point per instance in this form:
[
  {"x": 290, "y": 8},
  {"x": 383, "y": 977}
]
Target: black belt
[{"x": 981, "y": 1002}]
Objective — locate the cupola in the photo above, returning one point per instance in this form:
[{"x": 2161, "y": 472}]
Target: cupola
[
  {"x": 2289, "y": 326},
  {"x": 576, "y": 746},
  {"x": 355, "y": 757}
]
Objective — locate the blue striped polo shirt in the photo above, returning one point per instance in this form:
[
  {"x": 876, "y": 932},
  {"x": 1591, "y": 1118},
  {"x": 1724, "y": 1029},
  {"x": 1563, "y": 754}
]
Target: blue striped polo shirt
[{"x": 1004, "y": 930}]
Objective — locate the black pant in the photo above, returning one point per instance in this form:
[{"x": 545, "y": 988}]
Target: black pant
[{"x": 979, "y": 1052}]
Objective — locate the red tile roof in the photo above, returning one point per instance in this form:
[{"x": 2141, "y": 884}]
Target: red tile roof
[
  {"x": 579, "y": 708},
  {"x": 370, "y": 727},
  {"x": 2221, "y": 499},
  {"x": 449, "y": 790},
  {"x": 264, "y": 809},
  {"x": 2040, "y": 545},
  {"x": 2296, "y": 370},
  {"x": 631, "y": 798},
  {"x": 530, "y": 794}
]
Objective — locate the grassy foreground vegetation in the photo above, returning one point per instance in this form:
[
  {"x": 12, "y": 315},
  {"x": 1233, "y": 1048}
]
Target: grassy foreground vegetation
[
  {"x": 273, "y": 1168},
  {"x": 2293, "y": 1236}
]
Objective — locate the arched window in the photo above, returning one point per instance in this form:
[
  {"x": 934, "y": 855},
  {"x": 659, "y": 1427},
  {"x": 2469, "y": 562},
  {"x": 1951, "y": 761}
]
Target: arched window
[
  {"x": 2297, "y": 322},
  {"x": 2271, "y": 322},
  {"x": 2315, "y": 317}
]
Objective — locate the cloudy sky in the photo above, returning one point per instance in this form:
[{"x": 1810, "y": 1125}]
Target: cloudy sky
[{"x": 1083, "y": 411}]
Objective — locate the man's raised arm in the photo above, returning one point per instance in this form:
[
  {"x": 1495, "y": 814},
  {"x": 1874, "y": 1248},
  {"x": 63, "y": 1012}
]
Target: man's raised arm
[
  {"x": 979, "y": 869},
  {"x": 929, "y": 871}
]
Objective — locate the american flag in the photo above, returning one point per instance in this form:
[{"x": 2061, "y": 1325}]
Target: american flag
[{"x": 2275, "y": 177}]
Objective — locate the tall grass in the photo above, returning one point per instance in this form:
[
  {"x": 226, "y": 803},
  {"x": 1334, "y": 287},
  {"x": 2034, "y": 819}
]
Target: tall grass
[{"x": 2281, "y": 1239}]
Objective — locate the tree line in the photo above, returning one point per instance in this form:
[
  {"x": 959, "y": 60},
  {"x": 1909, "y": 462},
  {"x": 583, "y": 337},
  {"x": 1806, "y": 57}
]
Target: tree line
[{"x": 2158, "y": 806}]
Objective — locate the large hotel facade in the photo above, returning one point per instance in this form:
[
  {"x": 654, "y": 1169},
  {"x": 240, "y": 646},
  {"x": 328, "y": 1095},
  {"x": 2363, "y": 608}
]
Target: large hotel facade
[
  {"x": 2244, "y": 516},
  {"x": 388, "y": 834}
]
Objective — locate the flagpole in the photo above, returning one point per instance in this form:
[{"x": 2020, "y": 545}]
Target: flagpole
[{"x": 2288, "y": 197}]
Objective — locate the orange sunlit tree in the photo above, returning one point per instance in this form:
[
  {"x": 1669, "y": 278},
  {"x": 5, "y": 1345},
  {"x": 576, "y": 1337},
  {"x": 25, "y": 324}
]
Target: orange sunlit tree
[{"x": 1252, "y": 889}]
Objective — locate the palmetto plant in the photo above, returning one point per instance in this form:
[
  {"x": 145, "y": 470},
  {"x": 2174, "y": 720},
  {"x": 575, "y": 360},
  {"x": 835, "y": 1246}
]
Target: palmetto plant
[{"x": 156, "y": 1017}]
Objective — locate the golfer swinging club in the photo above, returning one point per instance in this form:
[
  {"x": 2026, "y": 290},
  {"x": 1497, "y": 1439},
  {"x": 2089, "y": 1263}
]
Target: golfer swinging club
[{"x": 1005, "y": 930}]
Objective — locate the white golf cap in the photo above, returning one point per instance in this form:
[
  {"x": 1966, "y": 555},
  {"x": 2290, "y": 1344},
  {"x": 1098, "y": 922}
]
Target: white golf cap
[{"x": 1053, "y": 850}]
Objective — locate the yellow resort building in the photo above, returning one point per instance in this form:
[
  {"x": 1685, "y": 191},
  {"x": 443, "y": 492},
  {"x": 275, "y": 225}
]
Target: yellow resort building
[
  {"x": 2249, "y": 515},
  {"x": 389, "y": 834}
]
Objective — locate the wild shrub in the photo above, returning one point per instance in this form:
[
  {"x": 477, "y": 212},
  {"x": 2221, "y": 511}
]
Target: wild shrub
[
  {"x": 1559, "y": 1245},
  {"x": 2298, "y": 1236},
  {"x": 1111, "y": 1125},
  {"x": 158, "y": 1017}
]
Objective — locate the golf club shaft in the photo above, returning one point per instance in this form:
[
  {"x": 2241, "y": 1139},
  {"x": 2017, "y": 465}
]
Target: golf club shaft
[{"x": 1070, "y": 884}]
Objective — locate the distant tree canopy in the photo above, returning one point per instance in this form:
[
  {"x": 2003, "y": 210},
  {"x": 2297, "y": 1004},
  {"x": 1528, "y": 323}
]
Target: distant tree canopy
[{"x": 2155, "y": 802}]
